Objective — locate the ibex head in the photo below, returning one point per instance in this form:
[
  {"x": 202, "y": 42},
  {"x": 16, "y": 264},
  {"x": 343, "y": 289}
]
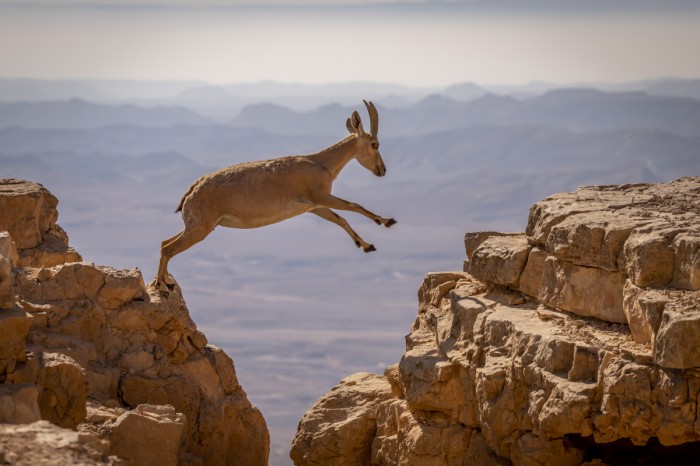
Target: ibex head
[{"x": 367, "y": 148}]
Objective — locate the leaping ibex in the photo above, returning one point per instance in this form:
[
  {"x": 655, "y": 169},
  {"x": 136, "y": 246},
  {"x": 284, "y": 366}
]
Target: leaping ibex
[{"x": 255, "y": 194}]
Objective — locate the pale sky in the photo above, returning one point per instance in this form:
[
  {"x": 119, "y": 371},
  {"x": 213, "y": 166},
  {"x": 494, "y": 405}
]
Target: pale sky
[{"x": 416, "y": 43}]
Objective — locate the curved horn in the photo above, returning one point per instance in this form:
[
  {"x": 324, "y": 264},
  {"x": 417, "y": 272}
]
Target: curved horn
[{"x": 373, "y": 117}]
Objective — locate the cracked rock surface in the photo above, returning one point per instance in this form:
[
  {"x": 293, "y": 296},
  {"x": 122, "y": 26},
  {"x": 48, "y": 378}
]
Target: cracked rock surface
[
  {"x": 117, "y": 367},
  {"x": 575, "y": 342}
]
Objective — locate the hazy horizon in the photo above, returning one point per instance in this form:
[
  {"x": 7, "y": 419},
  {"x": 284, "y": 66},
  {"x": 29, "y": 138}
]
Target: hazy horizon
[{"x": 418, "y": 44}]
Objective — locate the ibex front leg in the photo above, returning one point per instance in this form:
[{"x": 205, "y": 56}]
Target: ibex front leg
[
  {"x": 328, "y": 214},
  {"x": 333, "y": 202}
]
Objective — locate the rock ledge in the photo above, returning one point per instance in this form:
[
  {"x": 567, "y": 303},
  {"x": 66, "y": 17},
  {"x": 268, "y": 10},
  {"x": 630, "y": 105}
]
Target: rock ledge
[
  {"x": 117, "y": 367},
  {"x": 574, "y": 342}
]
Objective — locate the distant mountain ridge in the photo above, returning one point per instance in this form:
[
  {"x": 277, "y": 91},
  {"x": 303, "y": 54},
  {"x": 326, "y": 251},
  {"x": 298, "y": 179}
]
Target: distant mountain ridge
[
  {"x": 223, "y": 101},
  {"x": 78, "y": 113},
  {"x": 572, "y": 109}
]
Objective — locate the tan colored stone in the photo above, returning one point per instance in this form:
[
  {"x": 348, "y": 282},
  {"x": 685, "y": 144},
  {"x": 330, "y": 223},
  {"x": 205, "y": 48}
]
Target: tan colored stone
[
  {"x": 149, "y": 435},
  {"x": 435, "y": 287},
  {"x": 93, "y": 330},
  {"x": 675, "y": 346},
  {"x": 531, "y": 450},
  {"x": 42, "y": 443},
  {"x": 18, "y": 404},
  {"x": 649, "y": 255},
  {"x": 120, "y": 288},
  {"x": 245, "y": 433},
  {"x": 585, "y": 291},
  {"x": 434, "y": 386},
  {"x": 63, "y": 390},
  {"x": 8, "y": 257},
  {"x": 102, "y": 382},
  {"x": 8, "y": 248},
  {"x": 643, "y": 311},
  {"x": 536, "y": 385},
  {"x": 402, "y": 439},
  {"x": 54, "y": 250},
  {"x": 533, "y": 273},
  {"x": 340, "y": 427},
  {"x": 28, "y": 211},
  {"x": 592, "y": 239},
  {"x": 500, "y": 260},
  {"x": 473, "y": 240},
  {"x": 14, "y": 327},
  {"x": 686, "y": 266},
  {"x": 222, "y": 364}
]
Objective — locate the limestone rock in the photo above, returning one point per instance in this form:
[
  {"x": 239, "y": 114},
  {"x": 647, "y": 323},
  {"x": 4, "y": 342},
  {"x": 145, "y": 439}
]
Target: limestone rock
[
  {"x": 586, "y": 291},
  {"x": 63, "y": 390},
  {"x": 74, "y": 330},
  {"x": 42, "y": 443},
  {"x": 500, "y": 260},
  {"x": 28, "y": 212},
  {"x": 8, "y": 258},
  {"x": 340, "y": 427},
  {"x": 149, "y": 435},
  {"x": 14, "y": 328},
  {"x": 647, "y": 230},
  {"x": 18, "y": 404},
  {"x": 402, "y": 439},
  {"x": 674, "y": 345},
  {"x": 643, "y": 311},
  {"x": 572, "y": 344}
]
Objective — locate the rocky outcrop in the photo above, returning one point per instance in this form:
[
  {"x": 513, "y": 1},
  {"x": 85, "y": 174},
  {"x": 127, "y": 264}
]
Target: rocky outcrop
[
  {"x": 93, "y": 348},
  {"x": 29, "y": 215},
  {"x": 576, "y": 341}
]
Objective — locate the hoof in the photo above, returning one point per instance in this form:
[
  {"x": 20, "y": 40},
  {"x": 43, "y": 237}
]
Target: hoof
[
  {"x": 390, "y": 222},
  {"x": 370, "y": 248},
  {"x": 165, "y": 285}
]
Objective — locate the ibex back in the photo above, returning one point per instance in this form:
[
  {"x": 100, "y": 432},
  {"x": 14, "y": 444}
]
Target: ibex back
[{"x": 255, "y": 194}]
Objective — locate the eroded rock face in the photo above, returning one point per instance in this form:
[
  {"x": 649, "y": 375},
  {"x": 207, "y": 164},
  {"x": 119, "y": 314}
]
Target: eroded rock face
[
  {"x": 564, "y": 345},
  {"x": 28, "y": 213},
  {"x": 149, "y": 435},
  {"x": 340, "y": 428},
  {"x": 43, "y": 443},
  {"x": 93, "y": 348}
]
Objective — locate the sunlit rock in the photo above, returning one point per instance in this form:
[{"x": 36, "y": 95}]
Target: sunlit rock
[{"x": 558, "y": 345}]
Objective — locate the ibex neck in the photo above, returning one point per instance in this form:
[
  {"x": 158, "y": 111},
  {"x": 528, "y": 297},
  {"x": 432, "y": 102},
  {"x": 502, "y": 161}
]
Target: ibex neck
[{"x": 337, "y": 156}]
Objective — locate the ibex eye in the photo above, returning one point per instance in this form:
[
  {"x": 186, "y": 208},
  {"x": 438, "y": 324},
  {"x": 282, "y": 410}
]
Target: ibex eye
[{"x": 375, "y": 145}]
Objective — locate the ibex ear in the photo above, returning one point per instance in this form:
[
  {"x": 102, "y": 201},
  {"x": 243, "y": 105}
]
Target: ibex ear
[{"x": 354, "y": 124}]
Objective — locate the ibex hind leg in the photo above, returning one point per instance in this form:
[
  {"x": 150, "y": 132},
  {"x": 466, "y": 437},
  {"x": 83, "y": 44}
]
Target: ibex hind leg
[{"x": 174, "y": 246}]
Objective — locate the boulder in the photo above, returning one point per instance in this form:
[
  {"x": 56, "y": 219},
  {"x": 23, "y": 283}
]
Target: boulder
[
  {"x": 339, "y": 429},
  {"x": 14, "y": 328},
  {"x": 62, "y": 390},
  {"x": 28, "y": 212},
  {"x": 149, "y": 435},
  {"x": 500, "y": 260},
  {"x": 18, "y": 404},
  {"x": 43, "y": 443},
  {"x": 8, "y": 258}
]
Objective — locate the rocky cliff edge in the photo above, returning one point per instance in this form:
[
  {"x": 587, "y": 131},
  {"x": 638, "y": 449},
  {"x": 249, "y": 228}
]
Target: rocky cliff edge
[
  {"x": 98, "y": 368},
  {"x": 575, "y": 342}
]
